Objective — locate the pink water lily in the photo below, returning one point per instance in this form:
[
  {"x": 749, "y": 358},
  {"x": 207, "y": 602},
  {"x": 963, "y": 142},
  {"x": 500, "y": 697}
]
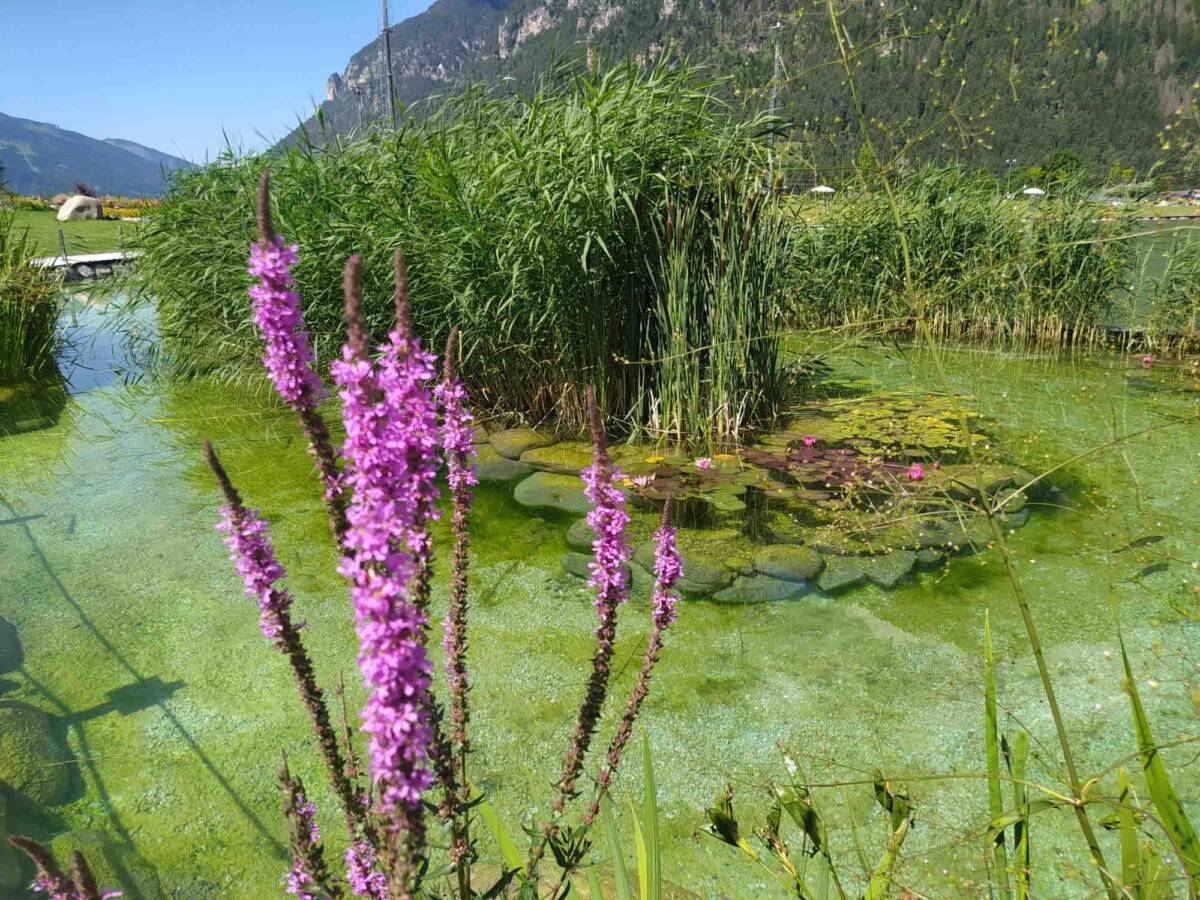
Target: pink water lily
[
  {"x": 916, "y": 472},
  {"x": 704, "y": 463},
  {"x": 810, "y": 440},
  {"x": 642, "y": 481},
  {"x": 1147, "y": 361}
]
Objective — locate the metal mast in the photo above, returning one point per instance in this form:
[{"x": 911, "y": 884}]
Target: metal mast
[{"x": 387, "y": 61}]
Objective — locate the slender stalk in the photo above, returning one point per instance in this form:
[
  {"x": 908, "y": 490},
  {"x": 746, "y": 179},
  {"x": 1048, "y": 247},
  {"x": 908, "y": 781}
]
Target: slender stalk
[{"x": 287, "y": 639}]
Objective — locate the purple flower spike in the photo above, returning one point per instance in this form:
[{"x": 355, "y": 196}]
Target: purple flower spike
[
  {"x": 289, "y": 356},
  {"x": 365, "y": 880},
  {"x": 391, "y": 435},
  {"x": 608, "y": 518},
  {"x": 249, "y": 541},
  {"x": 667, "y": 569}
]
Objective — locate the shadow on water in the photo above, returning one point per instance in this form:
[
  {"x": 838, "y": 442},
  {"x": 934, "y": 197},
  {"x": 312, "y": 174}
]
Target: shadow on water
[{"x": 142, "y": 693}]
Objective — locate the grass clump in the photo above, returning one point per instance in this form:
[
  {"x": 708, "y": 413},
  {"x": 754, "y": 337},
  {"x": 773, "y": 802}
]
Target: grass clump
[
  {"x": 983, "y": 265},
  {"x": 539, "y": 226},
  {"x": 29, "y": 305}
]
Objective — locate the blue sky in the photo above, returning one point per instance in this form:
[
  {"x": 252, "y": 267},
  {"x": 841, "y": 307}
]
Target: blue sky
[{"x": 172, "y": 74}]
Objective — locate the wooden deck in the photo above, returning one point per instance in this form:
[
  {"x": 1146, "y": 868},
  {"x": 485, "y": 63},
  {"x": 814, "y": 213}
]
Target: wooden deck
[{"x": 112, "y": 257}]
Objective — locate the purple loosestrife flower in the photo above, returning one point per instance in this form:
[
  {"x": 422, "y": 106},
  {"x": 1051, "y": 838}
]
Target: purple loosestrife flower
[
  {"x": 667, "y": 569},
  {"x": 390, "y": 439},
  {"x": 289, "y": 357},
  {"x": 610, "y": 579},
  {"x": 309, "y": 878},
  {"x": 365, "y": 880},
  {"x": 249, "y": 541},
  {"x": 458, "y": 444}
]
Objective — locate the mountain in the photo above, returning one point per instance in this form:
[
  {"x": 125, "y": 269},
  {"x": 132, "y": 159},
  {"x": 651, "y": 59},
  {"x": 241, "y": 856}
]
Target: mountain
[
  {"x": 989, "y": 80},
  {"x": 39, "y": 158}
]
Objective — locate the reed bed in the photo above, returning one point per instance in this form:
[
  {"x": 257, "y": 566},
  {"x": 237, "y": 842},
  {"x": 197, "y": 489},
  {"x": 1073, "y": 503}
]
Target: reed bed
[
  {"x": 984, "y": 266},
  {"x": 30, "y": 302},
  {"x": 537, "y": 224}
]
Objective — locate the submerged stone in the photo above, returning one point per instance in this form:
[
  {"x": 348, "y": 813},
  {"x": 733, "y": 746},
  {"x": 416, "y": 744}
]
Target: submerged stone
[
  {"x": 114, "y": 864},
  {"x": 929, "y": 557},
  {"x": 565, "y": 458},
  {"x": 491, "y": 466},
  {"x": 580, "y": 535},
  {"x": 32, "y": 761},
  {"x": 841, "y": 573},
  {"x": 548, "y": 490},
  {"x": 761, "y": 589},
  {"x": 11, "y": 654},
  {"x": 789, "y": 562},
  {"x": 700, "y": 576},
  {"x": 889, "y": 570},
  {"x": 512, "y": 442},
  {"x": 578, "y": 564}
]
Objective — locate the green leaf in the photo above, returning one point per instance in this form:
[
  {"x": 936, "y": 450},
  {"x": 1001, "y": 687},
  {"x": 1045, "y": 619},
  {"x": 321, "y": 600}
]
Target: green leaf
[
  {"x": 508, "y": 850},
  {"x": 652, "y": 886},
  {"x": 1179, "y": 828},
  {"x": 620, "y": 873},
  {"x": 992, "y": 744},
  {"x": 881, "y": 877},
  {"x": 1131, "y": 863}
]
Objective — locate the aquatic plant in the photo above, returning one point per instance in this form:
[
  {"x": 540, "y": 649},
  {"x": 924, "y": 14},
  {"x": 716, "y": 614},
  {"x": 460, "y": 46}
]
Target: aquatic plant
[
  {"x": 29, "y": 305},
  {"x": 538, "y": 225}
]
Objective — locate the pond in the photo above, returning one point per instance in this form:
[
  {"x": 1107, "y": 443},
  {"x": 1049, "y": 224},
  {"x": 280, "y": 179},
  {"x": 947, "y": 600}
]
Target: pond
[{"x": 139, "y": 643}]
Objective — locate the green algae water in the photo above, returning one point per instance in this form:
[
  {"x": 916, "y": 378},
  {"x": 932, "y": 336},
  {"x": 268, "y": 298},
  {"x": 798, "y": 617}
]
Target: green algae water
[{"x": 173, "y": 709}]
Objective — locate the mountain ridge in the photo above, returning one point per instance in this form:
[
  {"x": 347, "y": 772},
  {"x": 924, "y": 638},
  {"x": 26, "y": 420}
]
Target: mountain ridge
[
  {"x": 1102, "y": 79},
  {"x": 42, "y": 158}
]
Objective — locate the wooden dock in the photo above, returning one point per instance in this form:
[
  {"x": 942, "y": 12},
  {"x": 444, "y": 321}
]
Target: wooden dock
[{"x": 86, "y": 265}]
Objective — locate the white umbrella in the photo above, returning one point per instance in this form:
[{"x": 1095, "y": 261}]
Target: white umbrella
[
  {"x": 821, "y": 189},
  {"x": 1033, "y": 192}
]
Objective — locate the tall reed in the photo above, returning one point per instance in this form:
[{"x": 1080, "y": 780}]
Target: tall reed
[
  {"x": 534, "y": 223},
  {"x": 29, "y": 305}
]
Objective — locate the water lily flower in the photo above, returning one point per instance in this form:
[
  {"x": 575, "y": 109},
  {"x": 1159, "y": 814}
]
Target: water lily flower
[
  {"x": 1147, "y": 361},
  {"x": 916, "y": 472},
  {"x": 810, "y": 440},
  {"x": 704, "y": 463},
  {"x": 642, "y": 481}
]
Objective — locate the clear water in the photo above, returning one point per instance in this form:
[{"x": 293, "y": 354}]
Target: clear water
[{"x": 137, "y": 636}]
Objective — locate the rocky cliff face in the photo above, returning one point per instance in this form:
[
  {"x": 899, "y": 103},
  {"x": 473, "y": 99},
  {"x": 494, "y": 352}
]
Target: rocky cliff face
[{"x": 1103, "y": 79}]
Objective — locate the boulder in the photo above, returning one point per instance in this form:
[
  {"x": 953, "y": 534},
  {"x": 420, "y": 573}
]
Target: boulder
[
  {"x": 33, "y": 764},
  {"x": 789, "y": 562},
  {"x": 761, "y": 589},
  {"x": 566, "y": 458},
  {"x": 11, "y": 654},
  {"x": 548, "y": 490},
  {"x": 889, "y": 570},
  {"x": 512, "y": 442},
  {"x": 10, "y": 868},
  {"x": 580, "y": 535},
  {"x": 491, "y": 466},
  {"x": 80, "y": 207},
  {"x": 841, "y": 573},
  {"x": 700, "y": 577},
  {"x": 115, "y": 865}
]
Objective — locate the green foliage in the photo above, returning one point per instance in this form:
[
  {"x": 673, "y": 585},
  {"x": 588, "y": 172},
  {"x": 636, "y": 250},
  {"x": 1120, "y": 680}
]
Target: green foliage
[
  {"x": 29, "y": 305},
  {"x": 537, "y": 225},
  {"x": 982, "y": 264}
]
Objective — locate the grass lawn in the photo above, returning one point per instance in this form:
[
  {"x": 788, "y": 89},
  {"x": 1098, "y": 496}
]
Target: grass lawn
[{"x": 82, "y": 235}]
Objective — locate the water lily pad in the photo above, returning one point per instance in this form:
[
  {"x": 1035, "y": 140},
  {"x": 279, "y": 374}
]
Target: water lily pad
[{"x": 512, "y": 442}]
